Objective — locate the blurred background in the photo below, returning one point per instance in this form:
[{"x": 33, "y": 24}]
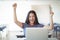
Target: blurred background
[{"x": 23, "y": 7}]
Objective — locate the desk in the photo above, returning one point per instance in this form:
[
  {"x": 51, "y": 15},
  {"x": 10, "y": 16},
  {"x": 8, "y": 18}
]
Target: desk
[
  {"x": 12, "y": 36},
  {"x": 25, "y": 39},
  {"x": 52, "y": 39}
]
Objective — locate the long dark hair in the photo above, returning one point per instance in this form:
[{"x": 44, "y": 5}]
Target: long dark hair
[{"x": 36, "y": 19}]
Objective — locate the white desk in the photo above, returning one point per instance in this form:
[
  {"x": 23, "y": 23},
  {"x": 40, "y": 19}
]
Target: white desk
[
  {"x": 25, "y": 38},
  {"x": 13, "y": 36},
  {"x": 52, "y": 39}
]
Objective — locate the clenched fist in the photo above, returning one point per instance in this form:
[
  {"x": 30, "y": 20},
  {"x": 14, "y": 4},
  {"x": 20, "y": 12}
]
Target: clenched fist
[
  {"x": 15, "y": 5},
  {"x": 51, "y": 12}
]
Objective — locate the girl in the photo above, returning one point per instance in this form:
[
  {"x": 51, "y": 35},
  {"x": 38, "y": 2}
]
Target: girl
[{"x": 32, "y": 20}]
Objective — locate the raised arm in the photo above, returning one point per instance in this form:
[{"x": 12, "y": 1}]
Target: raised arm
[
  {"x": 51, "y": 19},
  {"x": 20, "y": 24}
]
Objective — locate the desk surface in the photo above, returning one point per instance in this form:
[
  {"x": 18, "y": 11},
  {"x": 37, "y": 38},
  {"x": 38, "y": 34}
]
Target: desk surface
[
  {"x": 52, "y": 39},
  {"x": 48, "y": 38}
]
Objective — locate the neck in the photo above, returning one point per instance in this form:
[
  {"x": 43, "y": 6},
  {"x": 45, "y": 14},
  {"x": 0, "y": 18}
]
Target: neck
[{"x": 31, "y": 24}]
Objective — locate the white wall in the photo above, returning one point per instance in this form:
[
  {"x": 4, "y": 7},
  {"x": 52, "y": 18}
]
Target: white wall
[
  {"x": 42, "y": 13},
  {"x": 6, "y": 11}
]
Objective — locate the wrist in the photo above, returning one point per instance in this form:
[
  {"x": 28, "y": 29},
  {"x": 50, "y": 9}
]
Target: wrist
[
  {"x": 14, "y": 8},
  {"x": 51, "y": 16}
]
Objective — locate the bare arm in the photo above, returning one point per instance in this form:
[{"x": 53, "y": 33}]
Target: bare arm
[
  {"x": 20, "y": 24},
  {"x": 51, "y": 19}
]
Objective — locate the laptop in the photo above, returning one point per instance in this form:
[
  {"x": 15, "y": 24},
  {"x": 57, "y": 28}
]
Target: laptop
[{"x": 36, "y": 34}]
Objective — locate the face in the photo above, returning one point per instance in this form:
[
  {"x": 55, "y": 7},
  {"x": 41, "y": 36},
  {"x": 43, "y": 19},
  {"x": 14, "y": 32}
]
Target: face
[{"x": 31, "y": 18}]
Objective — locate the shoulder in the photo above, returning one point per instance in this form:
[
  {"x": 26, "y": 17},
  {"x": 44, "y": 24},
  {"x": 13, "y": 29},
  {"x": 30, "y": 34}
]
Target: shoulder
[
  {"x": 25, "y": 25},
  {"x": 40, "y": 25}
]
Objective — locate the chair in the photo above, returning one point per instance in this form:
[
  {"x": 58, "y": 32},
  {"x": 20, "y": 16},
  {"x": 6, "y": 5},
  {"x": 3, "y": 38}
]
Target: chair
[{"x": 2, "y": 32}]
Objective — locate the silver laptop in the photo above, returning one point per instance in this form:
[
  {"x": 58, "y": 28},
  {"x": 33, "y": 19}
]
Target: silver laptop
[{"x": 36, "y": 34}]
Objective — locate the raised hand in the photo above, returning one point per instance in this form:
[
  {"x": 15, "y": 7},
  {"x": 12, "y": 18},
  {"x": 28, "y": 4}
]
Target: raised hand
[
  {"x": 15, "y": 5},
  {"x": 51, "y": 12}
]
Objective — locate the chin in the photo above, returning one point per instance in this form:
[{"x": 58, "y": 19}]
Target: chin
[{"x": 32, "y": 22}]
